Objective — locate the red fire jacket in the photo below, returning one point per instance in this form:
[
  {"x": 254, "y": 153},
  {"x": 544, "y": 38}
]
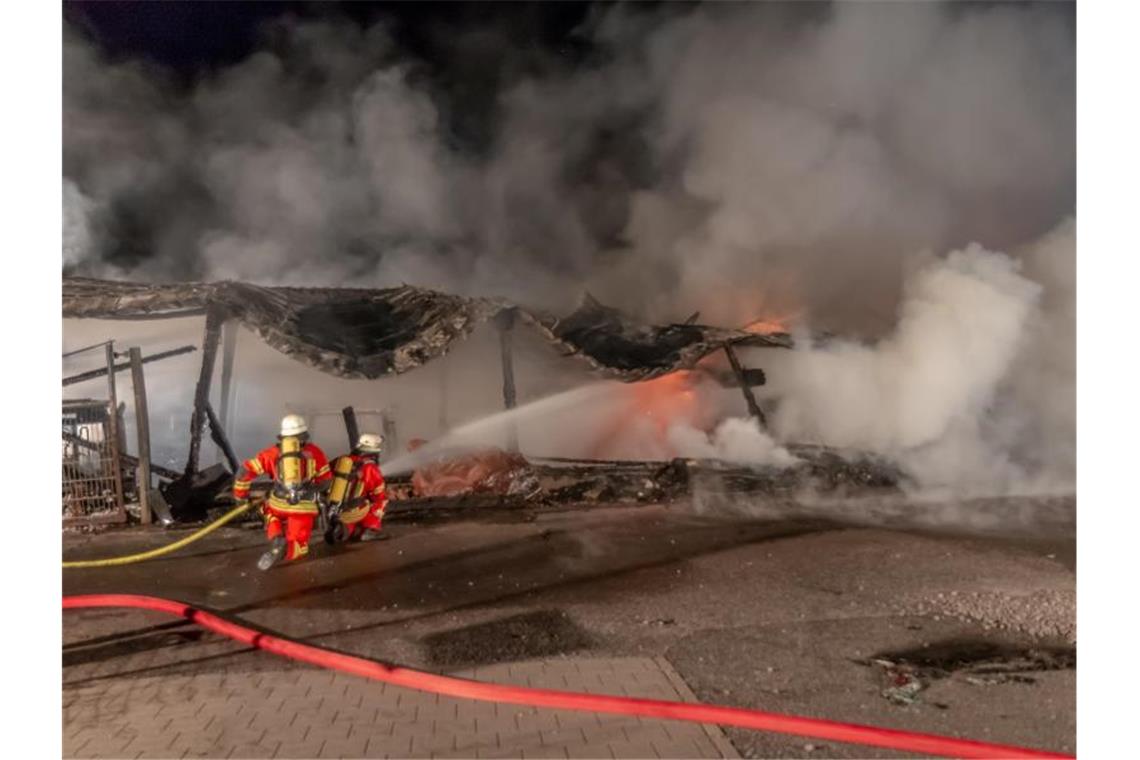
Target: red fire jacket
[
  {"x": 265, "y": 463},
  {"x": 369, "y": 489}
]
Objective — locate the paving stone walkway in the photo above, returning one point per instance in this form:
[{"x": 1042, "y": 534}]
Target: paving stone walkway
[{"x": 232, "y": 702}]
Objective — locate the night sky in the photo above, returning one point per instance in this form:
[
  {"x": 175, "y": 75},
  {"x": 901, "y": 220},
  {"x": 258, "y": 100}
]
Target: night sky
[
  {"x": 448, "y": 41},
  {"x": 192, "y": 37}
]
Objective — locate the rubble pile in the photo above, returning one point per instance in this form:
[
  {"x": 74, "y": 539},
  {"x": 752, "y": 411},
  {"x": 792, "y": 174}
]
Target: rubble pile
[
  {"x": 819, "y": 470},
  {"x": 490, "y": 471},
  {"x": 495, "y": 479}
]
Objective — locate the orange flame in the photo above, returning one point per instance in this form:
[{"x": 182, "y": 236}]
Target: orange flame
[
  {"x": 767, "y": 325},
  {"x": 662, "y": 402}
]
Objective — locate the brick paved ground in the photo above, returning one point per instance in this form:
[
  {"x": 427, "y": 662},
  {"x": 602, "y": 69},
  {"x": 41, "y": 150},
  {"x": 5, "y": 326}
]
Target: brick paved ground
[{"x": 214, "y": 698}]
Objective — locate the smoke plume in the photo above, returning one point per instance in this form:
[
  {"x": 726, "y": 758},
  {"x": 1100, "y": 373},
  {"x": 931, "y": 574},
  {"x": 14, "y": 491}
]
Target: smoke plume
[
  {"x": 973, "y": 389},
  {"x": 771, "y": 155},
  {"x": 742, "y": 160}
]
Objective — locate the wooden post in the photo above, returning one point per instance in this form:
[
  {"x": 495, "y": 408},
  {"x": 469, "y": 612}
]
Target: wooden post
[
  {"x": 202, "y": 390},
  {"x": 350, "y": 426},
  {"x": 505, "y": 321},
  {"x": 229, "y": 348},
  {"x": 753, "y": 408},
  {"x": 142, "y": 428},
  {"x": 219, "y": 437},
  {"x": 113, "y": 426}
]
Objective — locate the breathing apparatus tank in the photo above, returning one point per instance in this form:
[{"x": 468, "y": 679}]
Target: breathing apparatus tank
[
  {"x": 290, "y": 471},
  {"x": 342, "y": 479}
]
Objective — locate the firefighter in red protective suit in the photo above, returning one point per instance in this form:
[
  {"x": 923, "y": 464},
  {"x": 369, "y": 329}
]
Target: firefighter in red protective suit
[
  {"x": 357, "y": 498},
  {"x": 300, "y": 471}
]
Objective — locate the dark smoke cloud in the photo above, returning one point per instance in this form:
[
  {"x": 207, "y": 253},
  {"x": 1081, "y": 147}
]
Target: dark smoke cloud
[{"x": 734, "y": 159}]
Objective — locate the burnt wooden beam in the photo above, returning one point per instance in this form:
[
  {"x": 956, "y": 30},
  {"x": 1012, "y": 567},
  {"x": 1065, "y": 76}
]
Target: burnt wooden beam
[
  {"x": 142, "y": 430},
  {"x": 214, "y": 319},
  {"x": 125, "y": 458},
  {"x": 741, "y": 377},
  {"x": 218, "y": 435},
  {"x": 229, "y": 349},
  {"x": 92, "y": 374},
  {"x": 729, "y": 379},
  {"x": 113, "y": 424},
  {"x": 151, "y": 316},
  {"x": 351, "y": 426},
  {"x": 505, "y": 322}
]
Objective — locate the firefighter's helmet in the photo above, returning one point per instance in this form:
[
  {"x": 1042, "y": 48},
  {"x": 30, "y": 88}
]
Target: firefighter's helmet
[
  {"x": 293, "y": 424},
  {"x": 370, "y": 443}
]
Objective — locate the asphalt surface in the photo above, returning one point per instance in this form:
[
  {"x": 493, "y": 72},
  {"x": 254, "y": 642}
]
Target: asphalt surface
[{"x": 786, "y": 615}]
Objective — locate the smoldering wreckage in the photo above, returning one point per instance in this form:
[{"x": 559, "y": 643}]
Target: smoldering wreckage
[{"x": 374, "y": 333}]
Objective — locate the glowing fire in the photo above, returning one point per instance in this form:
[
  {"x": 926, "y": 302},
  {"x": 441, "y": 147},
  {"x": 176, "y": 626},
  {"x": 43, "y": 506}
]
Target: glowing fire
[
  {"x": 765, "y": 325},
  {"x": 668, "y": 400},
  {"x": 655, "y": 406}
]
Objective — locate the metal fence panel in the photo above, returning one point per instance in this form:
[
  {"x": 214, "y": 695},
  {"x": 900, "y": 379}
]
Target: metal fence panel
[{"x": 92, "y": 473}]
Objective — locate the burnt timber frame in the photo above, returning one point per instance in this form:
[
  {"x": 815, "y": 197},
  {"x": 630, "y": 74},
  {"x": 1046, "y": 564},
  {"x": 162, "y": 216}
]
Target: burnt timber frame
[
  {"x": 214, "y": 319},
  {"x": 142, "y": 429},
  {"x": 113, "y": 430},
  {"x": 754, "y": 409}
]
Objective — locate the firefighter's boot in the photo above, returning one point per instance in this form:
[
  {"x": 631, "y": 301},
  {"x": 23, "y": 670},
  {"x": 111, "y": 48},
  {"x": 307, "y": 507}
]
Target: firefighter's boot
[
  {"x": 274, "y": 555},
  {"x": 337, "y": 533}
]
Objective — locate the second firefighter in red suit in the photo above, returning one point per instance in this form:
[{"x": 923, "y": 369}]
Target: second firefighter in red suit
[
  {"x": 358, "y": 497},
  {"x": 300, "y": 471}
]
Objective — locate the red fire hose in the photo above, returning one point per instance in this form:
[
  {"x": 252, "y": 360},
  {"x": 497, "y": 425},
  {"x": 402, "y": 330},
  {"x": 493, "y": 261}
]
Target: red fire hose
[{"x": 828, "y": 730}]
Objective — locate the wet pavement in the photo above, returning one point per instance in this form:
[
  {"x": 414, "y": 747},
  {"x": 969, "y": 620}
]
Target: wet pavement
[{"x": 771, "y": 614}]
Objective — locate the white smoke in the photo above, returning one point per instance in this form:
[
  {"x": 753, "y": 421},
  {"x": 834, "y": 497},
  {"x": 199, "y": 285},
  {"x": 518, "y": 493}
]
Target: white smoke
[
  {"x": 78, "y": 238},
  {"x": 816, "y": 156},
  {"x": 734, "y": 440},
  {"x": 971, "y": 391}
]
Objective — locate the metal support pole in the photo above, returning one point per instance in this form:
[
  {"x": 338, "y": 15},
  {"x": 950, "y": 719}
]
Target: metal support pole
[
  {"x": 92, "y": 374},
  {"x": 753, "y": 408},
  {"x": 142, "y": 428},
  {"x": 113, "y": 426},
  {"x": 505, "y": 321}
]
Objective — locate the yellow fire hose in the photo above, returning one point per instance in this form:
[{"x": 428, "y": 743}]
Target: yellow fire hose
[{"x": 130, "y": 558}]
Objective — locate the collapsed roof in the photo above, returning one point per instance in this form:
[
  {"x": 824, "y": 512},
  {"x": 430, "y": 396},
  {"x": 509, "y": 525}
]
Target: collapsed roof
[{"x": 371, "y": 333}]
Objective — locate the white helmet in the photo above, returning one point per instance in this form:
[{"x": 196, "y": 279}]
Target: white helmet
[
  {"x": 293, "y": 424},
  {"x": 370, "y": 443}
]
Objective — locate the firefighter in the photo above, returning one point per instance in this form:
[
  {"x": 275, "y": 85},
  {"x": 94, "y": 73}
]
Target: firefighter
[
  {"x": 358, "y": 497},
  {"x": 300, "y": 471}
]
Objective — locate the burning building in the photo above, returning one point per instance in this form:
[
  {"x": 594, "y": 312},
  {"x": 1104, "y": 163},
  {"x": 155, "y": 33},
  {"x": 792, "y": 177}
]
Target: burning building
[{"x": 367, "y": 335}]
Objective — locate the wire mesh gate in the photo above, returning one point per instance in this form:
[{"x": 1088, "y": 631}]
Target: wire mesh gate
[{"x": 92, "y": 471}]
